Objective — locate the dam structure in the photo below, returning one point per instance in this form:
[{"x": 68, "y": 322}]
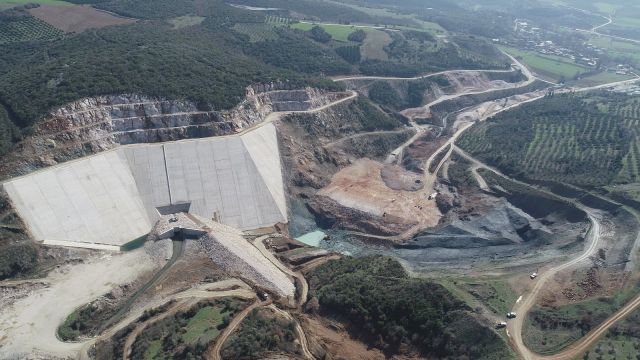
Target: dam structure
[{"x": 107, "y": 200}]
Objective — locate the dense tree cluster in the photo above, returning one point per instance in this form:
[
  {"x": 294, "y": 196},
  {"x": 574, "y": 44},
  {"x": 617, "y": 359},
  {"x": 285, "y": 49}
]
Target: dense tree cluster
[
  {"x": 389, "y": 310},
  {"x": 383, "y": 93},
  {"x": 357, "y": 36},
  {"x": 261, "y": 333},
  {"x": 319, "y": 34},
  {"x": 350, "y": 53},
  {"x": 295, "y": 51},
  {"x": 208, "y": 63},
  {"x": 17, "y": 259}
]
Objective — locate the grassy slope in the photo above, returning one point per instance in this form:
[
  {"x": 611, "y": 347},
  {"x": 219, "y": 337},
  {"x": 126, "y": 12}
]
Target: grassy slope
[
  {"x": 568, "y": 323},
  {"x": 187, "y": 332},
  {"x": 383, "y": 12},
  {"x": 373, "y": 46},
  {"x": 622, "y": 341},
  {"x": 549, "y": 66},
  {"x": 337, "y": 32}
]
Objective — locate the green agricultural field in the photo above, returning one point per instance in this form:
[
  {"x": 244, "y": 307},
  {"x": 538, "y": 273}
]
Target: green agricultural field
[
  {"x": 277, "y": 20},
  {"x": 618, "y": 49},
  {"x": 28, "y": 28},
  {"x": 602, "y": 78},
  {"x": 188, "y": 332},
  {"x": 337, "y": 32},
  {"x": 612, "y": 44},
  {"x": 553, "y": 67},
  {"x": 257, "y": 32},
  {"x": 586, "y": 139},
  {"x": 382, "y": 12},
  {"x": 606, "y": 8},
  {"x": 629, "y": 22}
]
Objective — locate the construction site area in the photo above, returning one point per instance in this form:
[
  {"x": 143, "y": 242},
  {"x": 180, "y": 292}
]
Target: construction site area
[{"x": 153, "y": 218}]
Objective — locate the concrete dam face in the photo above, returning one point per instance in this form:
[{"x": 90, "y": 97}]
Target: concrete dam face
[{"x": 107, "y": 200}]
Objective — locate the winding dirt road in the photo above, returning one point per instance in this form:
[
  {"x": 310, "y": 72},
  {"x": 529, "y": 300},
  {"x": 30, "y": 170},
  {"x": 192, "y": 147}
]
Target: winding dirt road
[
  {"x": 213, "y": 353},
  {"x": 225, "y": 288},
  {"x": 302, "y": 337},
  {"x": 350, "y": 78},
  {"x": 304, "y": 292},
  {"x": 528, "y": 300}
]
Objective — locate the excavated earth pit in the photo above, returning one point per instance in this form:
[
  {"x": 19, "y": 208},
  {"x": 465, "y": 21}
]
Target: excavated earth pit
[
  {"x": 495, "y": 236},
  {"x": 479, "y": 232}
]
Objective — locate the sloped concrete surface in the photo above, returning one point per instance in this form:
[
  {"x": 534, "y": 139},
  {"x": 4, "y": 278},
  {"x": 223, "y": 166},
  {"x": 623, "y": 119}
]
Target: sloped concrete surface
[
  {"x": 111, "y": 198},
  {"x": 90, "y": 201}
]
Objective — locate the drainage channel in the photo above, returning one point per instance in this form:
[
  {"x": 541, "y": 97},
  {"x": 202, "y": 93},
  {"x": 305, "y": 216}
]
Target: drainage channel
[{"x": 178, "y": 251}]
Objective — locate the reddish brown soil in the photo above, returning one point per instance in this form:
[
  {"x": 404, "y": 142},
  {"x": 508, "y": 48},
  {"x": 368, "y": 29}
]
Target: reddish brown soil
[
  {"x": 361, "y": 187},
  {"x": 77, "y": 18},
  {"x": 337, "y": 341},
  {"x": 582, "y": 284}
]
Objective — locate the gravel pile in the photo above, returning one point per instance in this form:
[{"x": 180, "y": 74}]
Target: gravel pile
[
  {"x": 159, "y": 250},
  {"x": 228, "y": 249}
]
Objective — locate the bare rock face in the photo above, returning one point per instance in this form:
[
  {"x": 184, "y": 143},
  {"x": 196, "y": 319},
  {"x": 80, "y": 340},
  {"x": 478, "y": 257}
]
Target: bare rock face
[{"x": 96, "y": 124}]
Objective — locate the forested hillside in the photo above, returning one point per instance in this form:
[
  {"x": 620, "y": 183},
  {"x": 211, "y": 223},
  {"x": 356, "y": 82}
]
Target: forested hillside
[
  {"x": 208, "y": 51},
  {"x": 390, "y": 311}
]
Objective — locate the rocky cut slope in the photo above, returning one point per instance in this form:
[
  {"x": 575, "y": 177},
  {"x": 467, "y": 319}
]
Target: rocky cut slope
[{"x": 92, "y": 125}]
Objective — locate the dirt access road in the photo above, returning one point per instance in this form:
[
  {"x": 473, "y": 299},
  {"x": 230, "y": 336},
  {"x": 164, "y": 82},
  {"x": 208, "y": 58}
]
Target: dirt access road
[
  {"x": 213, "y": 353},
  {"x": 528, "y": 300},
  {"x": 419, "y": 77},
  {"x": 258, "y": 243},
  {"x": 38, "y": 315},
  {"x": 221, "y": 289},
  {"x": 594, "y": 30},
  {"x": 302, "y": 337},
  {"x": 515, "y": 326}
]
